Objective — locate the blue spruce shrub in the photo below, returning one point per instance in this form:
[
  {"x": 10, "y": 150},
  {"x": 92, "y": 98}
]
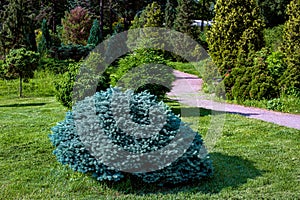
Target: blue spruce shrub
[{"x": 81, "y": 151}]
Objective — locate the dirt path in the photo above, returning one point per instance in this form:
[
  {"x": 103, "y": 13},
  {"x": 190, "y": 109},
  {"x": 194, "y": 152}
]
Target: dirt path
[{"x": 186, "y": 89}]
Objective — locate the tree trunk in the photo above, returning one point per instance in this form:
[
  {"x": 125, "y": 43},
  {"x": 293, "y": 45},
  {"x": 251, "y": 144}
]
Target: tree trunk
[
  {"x": 101, "y": 17},
  {"x": 20, "y": 87},
  {"x": 203, "y": 14},
  {"x": 110, "y": 17}
]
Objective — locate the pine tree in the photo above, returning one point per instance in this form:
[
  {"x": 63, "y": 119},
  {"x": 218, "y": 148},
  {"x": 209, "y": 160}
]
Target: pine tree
[
  {"x": 95, "y": 34},
  {"x": 291, "y": 47},
  {"x": 236, "y": 31},
  {"x": 153, "y": 15},
  {"x": 184, "y": 16},
  {"x": 170, "y": 13},
  {"x": 76, "y": 26}
]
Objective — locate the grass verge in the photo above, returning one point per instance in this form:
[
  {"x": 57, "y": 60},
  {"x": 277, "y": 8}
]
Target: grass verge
[{"x": 252, "y": 159}]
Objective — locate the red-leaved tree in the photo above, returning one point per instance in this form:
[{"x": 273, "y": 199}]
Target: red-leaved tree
[{"x": 76, "y": 26}]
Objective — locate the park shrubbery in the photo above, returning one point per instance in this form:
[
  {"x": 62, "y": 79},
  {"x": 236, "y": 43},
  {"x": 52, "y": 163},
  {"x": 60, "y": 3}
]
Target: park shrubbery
[
  {"x": 77, "y": 150},
  {"x": 249, "y": 71},
  {"x": 144, "y": 70}
]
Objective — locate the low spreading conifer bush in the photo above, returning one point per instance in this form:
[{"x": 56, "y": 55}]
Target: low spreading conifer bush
[{"x": 78, "y": 150}]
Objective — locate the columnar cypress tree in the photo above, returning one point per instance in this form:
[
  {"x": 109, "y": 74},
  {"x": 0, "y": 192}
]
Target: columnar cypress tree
[
  {"x": 291, "y": 47},
  {"x": 45, "y": 42},
  {"x": 236, "y": 31},
  {"x": 95, "y": 34},
  {"x": 184, "y": 16},
  {"x": 170, "y": 13}
]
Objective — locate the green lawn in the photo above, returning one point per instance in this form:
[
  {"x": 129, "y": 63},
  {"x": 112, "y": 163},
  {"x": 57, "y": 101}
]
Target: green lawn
[{"x": 251, "y": 160}]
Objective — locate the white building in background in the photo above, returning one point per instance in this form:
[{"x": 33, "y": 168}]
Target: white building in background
[{"x": 199, "y": 23}]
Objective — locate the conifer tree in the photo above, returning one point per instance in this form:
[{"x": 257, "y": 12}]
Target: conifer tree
[
  {"x": 184, "y": 16},
  {"x": 291, "y": 47},
  {"x": 45, "y": 42},
  {"x": 170, "y": 13},
  {"x": 236, "y": 31},
  {"x": 95, "y": 34},
  {"x": 76, "y": 26}
]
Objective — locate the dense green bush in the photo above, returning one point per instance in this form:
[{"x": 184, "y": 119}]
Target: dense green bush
[
  {"x": 236, "y": 32},
  {"x": 2, "y": 68},
  {"x": 65, "y": 83},
  {"x": 54, "y": 65},
  {"x": 193, "y": 165},
  {"x": 134, "y": 73},
  {"x": 273, "y": 37},
  {"x": 81, "y": 77},
  {"x": 254, "y": 82},
  {"x": 291, "y": 47},
  {"x": 276, "y": 64}
]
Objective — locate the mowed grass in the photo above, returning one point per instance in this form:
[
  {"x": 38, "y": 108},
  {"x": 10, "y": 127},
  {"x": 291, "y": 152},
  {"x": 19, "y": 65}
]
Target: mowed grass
[{"x": 251, "y": 160}]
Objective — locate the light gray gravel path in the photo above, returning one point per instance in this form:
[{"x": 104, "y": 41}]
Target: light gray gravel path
[{"x": 186, "y": 89}]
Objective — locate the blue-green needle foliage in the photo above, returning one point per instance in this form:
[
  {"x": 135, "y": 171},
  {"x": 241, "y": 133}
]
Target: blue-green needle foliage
[{"x": 193, "y": 165}]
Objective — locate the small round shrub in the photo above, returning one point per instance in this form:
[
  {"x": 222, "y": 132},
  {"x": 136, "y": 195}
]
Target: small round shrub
[
  {"x": 133, "y": 73},
  {"x": 193, "y": 165}
]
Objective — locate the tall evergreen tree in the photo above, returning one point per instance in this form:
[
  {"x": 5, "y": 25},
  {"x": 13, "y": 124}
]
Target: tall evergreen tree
[
  {"x": 236, "y": 31},
  {"x": 170, "y": 13},
  {"x": 291, "y": 47},
  {"x": 17, "y": 29},
  {"x": 45, "y": 42},
  {"x": 184, "y": 16},
  {"x": 152, "y": 16},
  {"x": 95, "y": 34}
]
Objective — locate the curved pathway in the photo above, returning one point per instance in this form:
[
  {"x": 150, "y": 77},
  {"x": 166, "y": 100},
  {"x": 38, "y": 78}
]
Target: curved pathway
[{"x": 186, "y": 90}]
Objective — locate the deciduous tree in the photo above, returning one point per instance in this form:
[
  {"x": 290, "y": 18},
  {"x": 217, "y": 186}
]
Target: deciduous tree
[{"x": 20, "y": 63}]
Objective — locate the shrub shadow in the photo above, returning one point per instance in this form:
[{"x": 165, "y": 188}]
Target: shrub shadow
[
  {"x": 229, "y": 172},
  {"x": 200, "y": 111},
  {"x": 22, "y": 105}
]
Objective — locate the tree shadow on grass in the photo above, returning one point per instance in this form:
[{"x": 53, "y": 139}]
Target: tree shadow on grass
[
  {"x": 199, "y": 111},
  {"x": 229, "y": 172},
  {"x": 22, "y": 105}
]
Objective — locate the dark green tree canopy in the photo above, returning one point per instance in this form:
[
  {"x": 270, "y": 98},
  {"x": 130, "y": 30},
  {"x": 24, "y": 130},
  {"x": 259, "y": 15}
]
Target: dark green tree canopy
[
  {"x": 17, "y": 30},
  {"x": 273, "y": 11},
  {"x": 184, "y": 16},
  {"x": 20, "y": 63},
  {"x": 170, "y": 13}
]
